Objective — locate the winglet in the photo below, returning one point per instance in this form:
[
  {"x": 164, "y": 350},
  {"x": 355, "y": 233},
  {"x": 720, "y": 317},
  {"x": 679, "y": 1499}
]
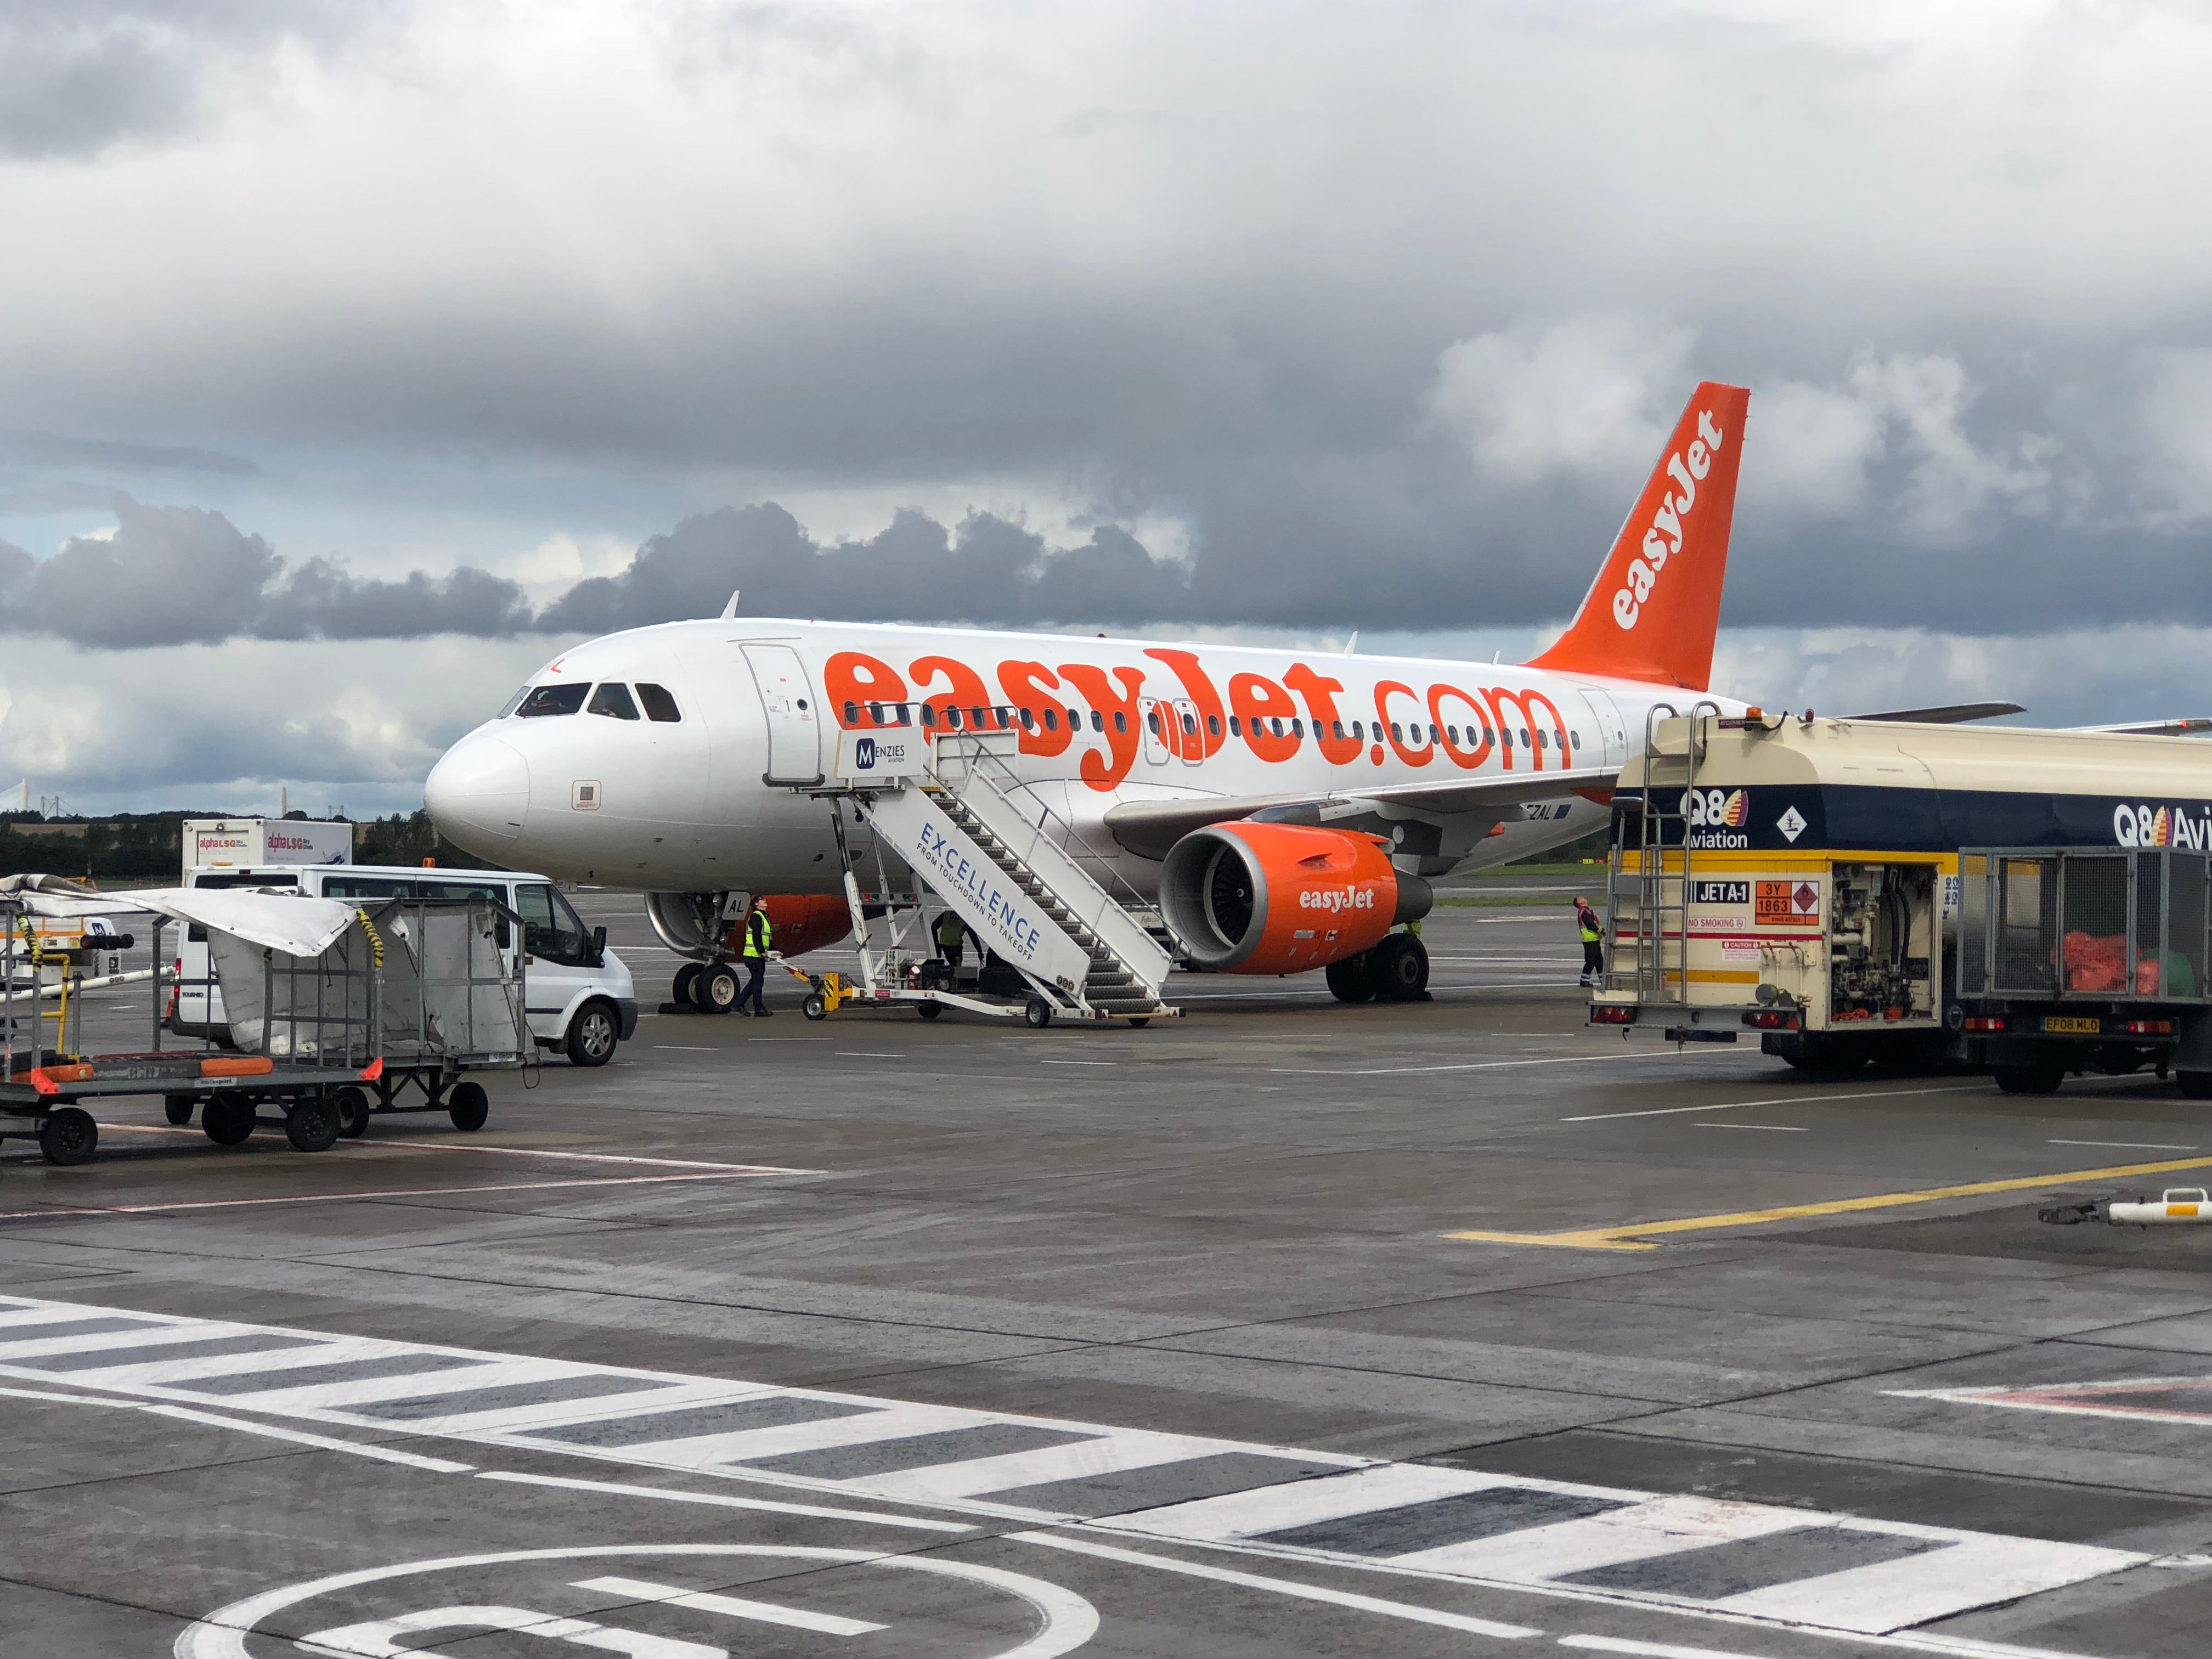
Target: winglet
[{"x": 1652, "y": 613}]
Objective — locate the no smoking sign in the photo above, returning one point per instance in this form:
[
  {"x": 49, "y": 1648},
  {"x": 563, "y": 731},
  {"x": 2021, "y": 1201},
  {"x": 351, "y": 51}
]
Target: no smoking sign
[{"x": 655, "y": 1601}]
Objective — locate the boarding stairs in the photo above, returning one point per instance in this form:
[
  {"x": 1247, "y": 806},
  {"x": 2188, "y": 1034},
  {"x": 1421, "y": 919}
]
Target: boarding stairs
[
  {"x": 1650, "y": 920},
  {"x": 1017, "y": 877}
]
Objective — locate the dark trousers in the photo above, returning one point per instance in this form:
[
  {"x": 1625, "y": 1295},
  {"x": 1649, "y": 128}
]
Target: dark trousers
[
  {"x": 758, "y": 966},
  {"x": 1593, "y": 958}
]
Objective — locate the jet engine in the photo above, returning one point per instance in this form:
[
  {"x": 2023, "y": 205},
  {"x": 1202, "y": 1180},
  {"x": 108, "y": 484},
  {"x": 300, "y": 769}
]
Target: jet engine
[
  {"x": 690, "y": 924},
  {"x": 1281, "y": 898}
]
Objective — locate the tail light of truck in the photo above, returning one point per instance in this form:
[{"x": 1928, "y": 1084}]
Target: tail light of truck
[
  {"x": 1612, "y": 1013},
  {"x": 2148, "y": 1027},
  {"x": 1772, "y": 1020},
  {"x": 1984, "y": 1023}
]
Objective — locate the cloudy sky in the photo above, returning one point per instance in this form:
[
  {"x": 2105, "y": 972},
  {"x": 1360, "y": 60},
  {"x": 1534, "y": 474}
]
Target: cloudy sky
[{"x": 355, "y": 358}]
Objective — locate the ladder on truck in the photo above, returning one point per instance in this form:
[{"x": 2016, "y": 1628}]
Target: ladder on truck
[
  {"x": 1019, "y": 881},
  {"x": 1651, "y": 906}
]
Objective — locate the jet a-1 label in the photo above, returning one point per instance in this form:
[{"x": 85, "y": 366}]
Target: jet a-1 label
[{"x": 1720, "y": 892}]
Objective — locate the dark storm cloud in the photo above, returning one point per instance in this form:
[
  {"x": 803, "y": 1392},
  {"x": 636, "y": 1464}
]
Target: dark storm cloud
[
  {"x": 79, "y": 75},
  {"x": 175, "y": 575},
  {"x": 986, "y": 571}
]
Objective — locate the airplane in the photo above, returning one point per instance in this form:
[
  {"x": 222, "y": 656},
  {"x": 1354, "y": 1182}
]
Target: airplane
[{"x": 675, "y": 759}]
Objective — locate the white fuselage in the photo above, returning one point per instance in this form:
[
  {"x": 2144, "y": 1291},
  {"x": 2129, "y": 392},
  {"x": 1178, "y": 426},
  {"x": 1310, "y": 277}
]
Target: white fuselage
[{"x": 713, "y": 800}]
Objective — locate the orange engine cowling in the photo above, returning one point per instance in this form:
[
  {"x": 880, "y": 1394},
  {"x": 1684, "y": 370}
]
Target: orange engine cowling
[
  {"x": 1280, "y": 898},
  {"x": 802, "y": 922}
]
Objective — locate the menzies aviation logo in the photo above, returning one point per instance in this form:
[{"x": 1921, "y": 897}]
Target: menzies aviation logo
[
  {"x": 864, "y": 754},
  {"x": 2162, "y": 826},
  {"x": 1664, "y": 538},
  {"x": 1717, "y": 812}
]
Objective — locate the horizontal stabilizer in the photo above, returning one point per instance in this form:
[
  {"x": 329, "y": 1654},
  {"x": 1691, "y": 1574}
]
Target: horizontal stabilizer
[
  {"x": 1946, "y": 714},
  {"x": 2181, "y": 727}
]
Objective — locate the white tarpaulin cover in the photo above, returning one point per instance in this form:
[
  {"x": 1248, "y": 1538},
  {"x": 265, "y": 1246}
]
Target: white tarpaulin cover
[{"x": 291, "y": 923}]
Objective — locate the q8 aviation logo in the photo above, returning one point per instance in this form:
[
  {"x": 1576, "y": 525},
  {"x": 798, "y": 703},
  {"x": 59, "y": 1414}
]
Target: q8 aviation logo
[
  {"x": 2162, "y": 826},
  {"x": 1719, "y": 814}
]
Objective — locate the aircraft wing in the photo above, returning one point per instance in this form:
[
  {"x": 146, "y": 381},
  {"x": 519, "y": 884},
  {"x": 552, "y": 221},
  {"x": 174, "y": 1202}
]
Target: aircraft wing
[
  {"x": 2180, "y": 727},
  {"x": 1149, "y": 828},
  {"x": 1948, "y": 714}
]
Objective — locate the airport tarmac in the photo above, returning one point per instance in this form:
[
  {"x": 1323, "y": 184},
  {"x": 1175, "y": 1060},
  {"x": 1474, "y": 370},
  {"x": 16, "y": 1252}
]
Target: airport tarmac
[{"x": 1281, "y": 1329}]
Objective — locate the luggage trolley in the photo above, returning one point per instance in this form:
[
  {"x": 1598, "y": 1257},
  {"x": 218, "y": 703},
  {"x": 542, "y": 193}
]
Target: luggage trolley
[{"x": 415, "y": 992}]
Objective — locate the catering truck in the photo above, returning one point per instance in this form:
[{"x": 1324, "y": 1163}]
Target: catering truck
[
  {"x": 238, "y": 843},
  {"x": 2030, "y": 903}
]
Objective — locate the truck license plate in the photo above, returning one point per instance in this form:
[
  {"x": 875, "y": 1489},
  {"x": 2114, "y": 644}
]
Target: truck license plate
[{"x": 2072, "y": 1025}]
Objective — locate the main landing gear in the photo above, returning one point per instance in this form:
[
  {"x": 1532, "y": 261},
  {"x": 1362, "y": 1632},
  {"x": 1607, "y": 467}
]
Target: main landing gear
[
  {"x": 709, "y": 986},
  {"x": 1395, "y": 971}
]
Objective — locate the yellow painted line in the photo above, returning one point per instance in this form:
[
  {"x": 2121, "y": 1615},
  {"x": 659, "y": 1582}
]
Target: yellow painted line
[{"x": 1630, "y": 1237}]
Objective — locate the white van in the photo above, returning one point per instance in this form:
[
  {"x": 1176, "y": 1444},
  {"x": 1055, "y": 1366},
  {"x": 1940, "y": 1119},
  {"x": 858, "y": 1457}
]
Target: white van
[{"x": 577, "y": 992}]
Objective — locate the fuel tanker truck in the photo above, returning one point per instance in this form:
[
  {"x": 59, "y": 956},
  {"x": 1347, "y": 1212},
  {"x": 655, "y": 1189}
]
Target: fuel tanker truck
[{"x": 2032, "y": 904}]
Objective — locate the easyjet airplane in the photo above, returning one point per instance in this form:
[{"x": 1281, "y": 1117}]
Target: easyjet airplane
[{"x": 674, "y": 759}]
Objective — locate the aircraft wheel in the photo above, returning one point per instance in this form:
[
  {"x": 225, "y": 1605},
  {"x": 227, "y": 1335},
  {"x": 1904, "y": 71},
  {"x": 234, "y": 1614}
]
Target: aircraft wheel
[
  {"x": 1037, "y": 1014},
  {"x": 67, "y": 1135},
  {"x": 686, "y": 977},
  {"x": 1349, "y": 981},
  {"x": 715, "y": 990},
  {"x": 1401, "y": 970}
]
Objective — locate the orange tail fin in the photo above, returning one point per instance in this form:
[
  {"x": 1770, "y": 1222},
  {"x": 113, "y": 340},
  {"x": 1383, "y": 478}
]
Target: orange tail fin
[{"x": 1656, "y": 605}]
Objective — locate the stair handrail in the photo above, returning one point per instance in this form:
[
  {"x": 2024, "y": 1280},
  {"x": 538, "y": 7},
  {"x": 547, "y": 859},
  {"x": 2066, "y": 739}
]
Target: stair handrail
[{"x": 975, "y": 745}]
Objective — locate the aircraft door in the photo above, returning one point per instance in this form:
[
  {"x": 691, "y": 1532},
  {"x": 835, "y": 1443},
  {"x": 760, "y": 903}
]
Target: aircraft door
[
  {"x": 1153, "y": 717},
  {"x": 794, "y": 726},
  {"x": 1190, "y": 742},
  {"x": 1612, "y": 746}
]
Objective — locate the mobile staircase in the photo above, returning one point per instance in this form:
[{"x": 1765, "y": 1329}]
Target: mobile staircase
[{"x": 942, "y": 801}]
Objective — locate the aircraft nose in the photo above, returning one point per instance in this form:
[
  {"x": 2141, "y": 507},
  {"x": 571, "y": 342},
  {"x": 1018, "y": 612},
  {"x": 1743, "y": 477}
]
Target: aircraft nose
[{"x": 478, "y": 793}]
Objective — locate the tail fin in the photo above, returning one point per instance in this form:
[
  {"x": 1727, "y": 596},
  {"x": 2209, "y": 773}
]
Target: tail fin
[{"x": 1653, "y": 611}]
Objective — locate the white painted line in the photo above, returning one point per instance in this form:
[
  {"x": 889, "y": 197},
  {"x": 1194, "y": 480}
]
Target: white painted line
[
  {"x": 1663, "y": 1526},
  {"x": 1652, "y": 1649},
  {"x": 787, "y": 1039},
  {"x": 355, "y": 1198},
  {"x": 715, "y": 1500},
  {"x": 267, "y": 1431},
  {"x": 1419, "y": 1615},
  {"x": 1470, "y": 1066},
  {"x": 684, "y": 1049},
  {"x": 979, "y": 1477},
  {"x": 867, "y": 1054},
  {"x": 1779, "y": 1128},
  {"x": 1079, "y": 1062},
  {"x": 729, "y": 1607},
  {"x": 358, "y": 1148},
  {"x": 1301, "y": 1504},
  {"x": 2144, "y": 1146},
  {"x": 1806, "y": 1099}
]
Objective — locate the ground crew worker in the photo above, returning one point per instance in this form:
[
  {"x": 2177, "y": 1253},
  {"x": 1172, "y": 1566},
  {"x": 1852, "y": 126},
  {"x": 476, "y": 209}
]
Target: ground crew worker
[
  {"x": 758, "y": 932},
  {"x": 951, "y": 933},
  {"x": 1593, "y": 933}
]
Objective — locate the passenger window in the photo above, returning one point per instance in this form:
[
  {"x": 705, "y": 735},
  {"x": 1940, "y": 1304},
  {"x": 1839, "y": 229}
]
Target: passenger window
[
  {"x": 1524, "y": 737},
  {"x": 543, "y": 700},
  {"x": 1029, "y": 719},
  {"x": 1452, "y": 732},
  {"x": 1121, "y": 721},
  {"x": 1152, "y": 722},
  {"x": 1396, "y": 734},
  {"x": 355, "y": 887},
  {"x": 1577, "y": 737},
  {"x": 1235, "y": 726},
  {"x": 928, "y": 715},
  {"x": 1297, "y": 728},
  {"x": 875, "y": 713},
  {"x": 1336, "y": 729},
  {"x": 1190, "y": 725},
  {"x": 1489, "y": 736},
  {"x": 1214, "y": 726},
  {"x": 1275, "y": 725},
  {"x": 1052, "y": 719},
  {"x": 951, "y": 717},
  {"x": 659, "y": 705},
  {"x": 979, "y": 719},
  {"x": 1358, "y": 732},
  {"x": 852, "y": 713},
  {"x": 550, "y": 928}
]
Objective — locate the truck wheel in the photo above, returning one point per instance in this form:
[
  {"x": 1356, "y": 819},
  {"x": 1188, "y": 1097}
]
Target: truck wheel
[
  {"x": 715, "y": 990},
  {"x": 1349, "y": 979},
  {"x": 227, "y": 1119},
  {"x": 687, "y": 976},
  {"x": 1037, "y": 1014},
  {"x": 67, "y": 1135},
  {"x": 592, "y": 1034},
  {"x": 1400, "y": 969},
  {"x": 352, "y": 1105},
  {"x": 311, "y": 1124},
  {"x": 929, "y": 1010},
  {"x": 2042, "y": 1079},
  {"x": 2196, "y": 1085},
  {"x": 468, "y": 1105},
  {"x": 178, "y": 1109},
  {"x": 814, "y": 1007}
]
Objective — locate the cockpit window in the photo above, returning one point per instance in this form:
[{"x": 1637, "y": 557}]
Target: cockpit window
[
  {"x": 542, "y": 700},
  {"x": 659, "y": 705},
  {"x": 512, "y": 704},
  {"x": 613, "y": 699}
]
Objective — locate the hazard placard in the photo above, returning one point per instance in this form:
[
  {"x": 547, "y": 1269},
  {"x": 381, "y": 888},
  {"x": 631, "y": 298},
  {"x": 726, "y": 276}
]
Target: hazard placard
[{"x": 1789, "y": 903}]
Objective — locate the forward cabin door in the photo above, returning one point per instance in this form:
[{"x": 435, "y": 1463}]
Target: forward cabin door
[
  {"x": 794, "y": 726},
  {"x": 1152, "y": 719},
  {"x": 1189, "y": 733},
  {"x": 1612, "y": 746}
]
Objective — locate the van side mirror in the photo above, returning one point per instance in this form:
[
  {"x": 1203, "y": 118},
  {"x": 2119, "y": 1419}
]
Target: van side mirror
[{"x": 599, "y": 947}]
